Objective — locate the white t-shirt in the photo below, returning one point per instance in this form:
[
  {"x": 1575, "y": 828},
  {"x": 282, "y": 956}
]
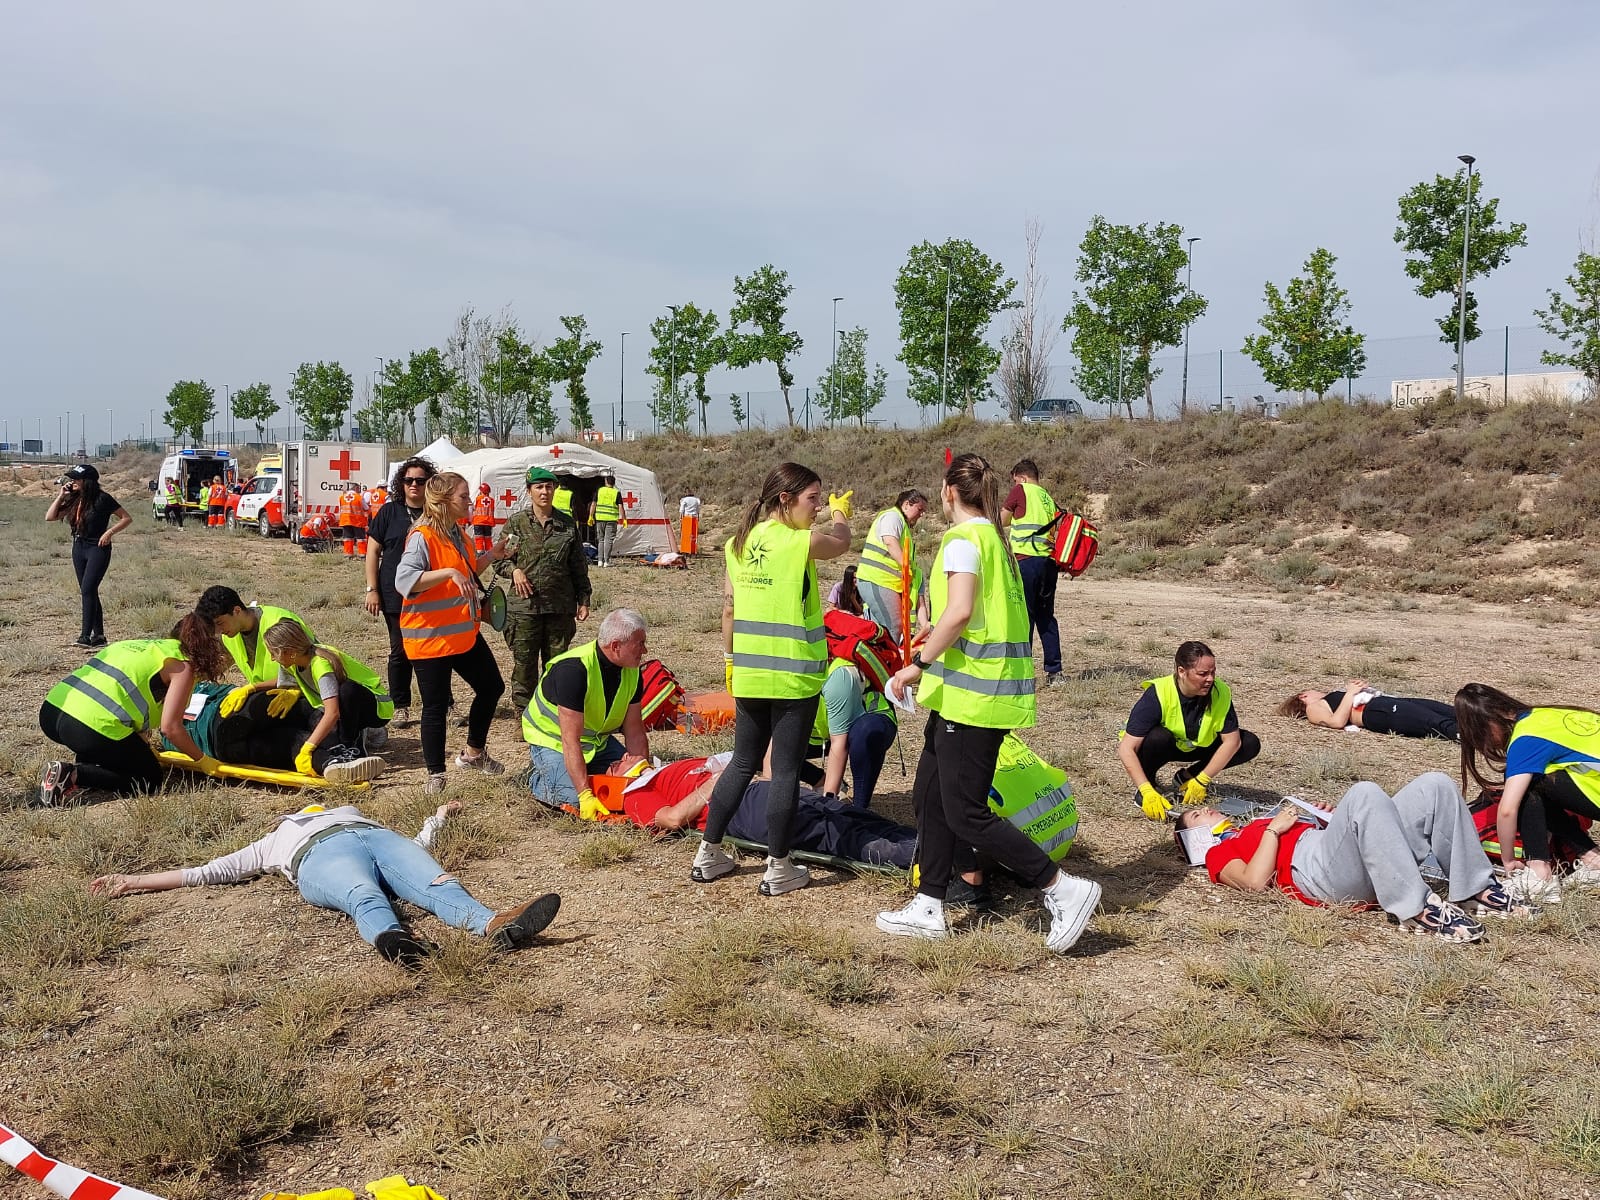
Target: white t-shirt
[
  {"x": 689, "y": 506},
  {"x": 890, "y": 526},
  {"x": 960, "y": 557}
]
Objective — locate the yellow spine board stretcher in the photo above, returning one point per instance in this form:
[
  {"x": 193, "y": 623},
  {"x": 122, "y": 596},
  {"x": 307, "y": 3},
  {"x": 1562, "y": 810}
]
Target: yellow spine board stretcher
[{"x": 288, "y": 779}]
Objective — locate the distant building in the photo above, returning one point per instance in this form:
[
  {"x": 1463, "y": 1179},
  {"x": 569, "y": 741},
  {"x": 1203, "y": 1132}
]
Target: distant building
[{"x": 1570, "y": 386}]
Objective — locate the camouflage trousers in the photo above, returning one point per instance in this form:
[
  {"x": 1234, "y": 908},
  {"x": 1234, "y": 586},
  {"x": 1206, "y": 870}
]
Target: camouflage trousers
[{"x": 534, "y": 639}]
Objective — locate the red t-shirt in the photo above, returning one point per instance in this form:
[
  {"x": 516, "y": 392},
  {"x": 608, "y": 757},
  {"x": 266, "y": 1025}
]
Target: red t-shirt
[
  {"x": 1016, "y": 501},
  {"x": 1241, "y": 847},
  {"x": 666, "y": 787}
]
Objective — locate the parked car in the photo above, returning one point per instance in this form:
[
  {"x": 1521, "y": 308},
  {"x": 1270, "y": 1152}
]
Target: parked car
[{"x": 1058, "y": 409}]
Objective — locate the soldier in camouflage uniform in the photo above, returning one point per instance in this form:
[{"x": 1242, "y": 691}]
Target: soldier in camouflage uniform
[{"x": 546, "y": 578}]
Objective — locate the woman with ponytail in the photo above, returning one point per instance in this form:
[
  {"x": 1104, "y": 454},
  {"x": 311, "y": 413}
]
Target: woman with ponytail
[
  {"x": 102, "y": 711},
  {"x": 975, "y": 676},
  {"x": 776, "y": 655}
]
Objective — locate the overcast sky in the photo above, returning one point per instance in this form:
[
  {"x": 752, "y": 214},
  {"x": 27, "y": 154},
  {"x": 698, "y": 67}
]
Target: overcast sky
[{"x": 194, "y": 190}]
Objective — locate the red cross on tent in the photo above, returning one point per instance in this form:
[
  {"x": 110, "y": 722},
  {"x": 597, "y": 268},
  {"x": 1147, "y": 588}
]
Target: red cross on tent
[
  {"x": 556, "y": 452},
  {"x": 344, "y": 464},
  {"x": 629, "y": 500},
  {"x": 508, "y": 497}
]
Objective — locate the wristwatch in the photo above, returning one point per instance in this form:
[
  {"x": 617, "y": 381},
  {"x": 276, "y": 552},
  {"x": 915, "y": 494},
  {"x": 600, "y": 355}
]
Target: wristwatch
[
  {"x": 916, "y": 660},
  {"x": 371, "y": 589}
]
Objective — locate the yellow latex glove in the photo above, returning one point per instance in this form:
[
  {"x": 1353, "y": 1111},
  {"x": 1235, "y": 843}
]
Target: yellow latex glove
[
  {"x": 302, "y": 761},
  {"x": 840, "y": 503},
  {"x": 282, "y": 702},
  {"x": 398, "y": 1187},
  {"x": 1156, "y": 806},
  {"x": 590, "y": 806},
  {"x": 727, "y": 673},
  {"x": 234, "y": 700},
  {"x": 206, "y": 765},
  {"x": 330, "y": 1194},
  {"x": 1194, "y": 792}
]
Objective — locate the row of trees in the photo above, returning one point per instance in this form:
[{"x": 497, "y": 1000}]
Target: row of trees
[{"x": 1133, "y": 301}]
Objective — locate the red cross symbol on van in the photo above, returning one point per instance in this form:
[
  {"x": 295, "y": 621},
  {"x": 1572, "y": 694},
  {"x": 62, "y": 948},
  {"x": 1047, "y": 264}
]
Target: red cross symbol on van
[{"x": 344, "y": 464}]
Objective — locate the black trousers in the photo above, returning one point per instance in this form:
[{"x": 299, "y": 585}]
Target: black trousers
[
  {"x": 951, "y": 799},
  {"x": 250, "y": 737},
  {"x": 1409, "y": 717},
  {"x": 122, "y": 766},
  {"x": 480, "y": 672},
  {"x": 1160, "y": 748},
  {"x": 1039, "y": 576},
  {"x": 1548, "y": 817},
  {"x": 785, "y": 725},
  {"x": 399, "y": 664},
  {"x": 358, "y": 710},
  {"x": 90, "y": 561}
]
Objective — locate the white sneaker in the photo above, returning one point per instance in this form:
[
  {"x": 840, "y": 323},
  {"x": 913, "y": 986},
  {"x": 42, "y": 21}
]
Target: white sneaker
[
  {"x": 922, "y": 918},
  {"x": 1070, "y": 901},
  {"x": 401, "y": 718},
  {"x": 711, "y": 861},
  {"x": 482, "y": 764},
  {"x": 783, "y": 875},
  {"x": 353, "y": 767},
  {"x": 1525, "y": 885},
  {"x": 435, "y": 785},
  {"x": 1581, "y": 877}
]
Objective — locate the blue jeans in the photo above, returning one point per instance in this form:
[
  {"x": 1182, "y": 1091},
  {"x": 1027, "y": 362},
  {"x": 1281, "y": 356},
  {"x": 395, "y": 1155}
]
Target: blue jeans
[
  {"x": 547, "y": 772},
  {"x": 868, "y": 745},
  {"x": 358, "y": 871}
]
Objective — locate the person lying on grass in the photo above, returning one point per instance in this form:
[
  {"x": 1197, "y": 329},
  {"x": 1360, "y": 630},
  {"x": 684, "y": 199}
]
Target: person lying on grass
[
  {"x": 1362, "y": 706},
  {"x": 342, "y": 860},
  {"x": 1370, "y": 851}
]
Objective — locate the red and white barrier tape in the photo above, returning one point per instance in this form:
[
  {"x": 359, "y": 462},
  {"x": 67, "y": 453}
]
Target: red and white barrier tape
[{"x": 60, "y": 1178}]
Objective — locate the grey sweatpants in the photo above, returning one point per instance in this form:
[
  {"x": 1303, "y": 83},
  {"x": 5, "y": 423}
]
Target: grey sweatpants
[{"x": 1374, "y": 846}]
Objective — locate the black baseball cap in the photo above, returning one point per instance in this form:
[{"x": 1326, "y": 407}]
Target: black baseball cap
[{"x": 84, "y": 471}]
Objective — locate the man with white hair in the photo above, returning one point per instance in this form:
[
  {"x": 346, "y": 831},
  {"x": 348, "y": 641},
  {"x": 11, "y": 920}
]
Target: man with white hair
[{"x": 584, "y": 698}]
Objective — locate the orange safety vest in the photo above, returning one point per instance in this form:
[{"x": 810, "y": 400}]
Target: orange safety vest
[
  {"x": 483, "y": 509},
  {"x": 380, "y": 497},
  {"x": 439, "y": 621},
  {"x": 219, "y": 495},
  {"x": 352, "y": 511}
]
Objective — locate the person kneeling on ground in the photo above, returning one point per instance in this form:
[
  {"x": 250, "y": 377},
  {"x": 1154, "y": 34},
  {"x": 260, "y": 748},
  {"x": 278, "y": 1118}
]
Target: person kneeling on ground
[
  {"x": 270, "y": 729},
  {"x": 675, "y": 797},
  {"x": 351, "y": 701},
  {"x": 344, "y": 861},
  {"x": 1370, "y": 852},
  {"x": 1184, "y": 717},
  {"x": 586, "y": 696}
]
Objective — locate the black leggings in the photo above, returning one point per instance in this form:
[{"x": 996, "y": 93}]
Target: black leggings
[
  {"x": 1407, "y": 717},
  {"x": 1160, "y": 748},
  {"x": 399, "y": 664},
  {"x": 90, "y": 561},
  {"x": 358, "y": 710},
  {"x": 1548, "y": 817},
  {"x": 122, "y": 766},
  {"x": 785, "y": 725},
  {"x": 480, "y": 672},
  {"x": 251, "y": 737},
  {"x": 951, "y": 799}
]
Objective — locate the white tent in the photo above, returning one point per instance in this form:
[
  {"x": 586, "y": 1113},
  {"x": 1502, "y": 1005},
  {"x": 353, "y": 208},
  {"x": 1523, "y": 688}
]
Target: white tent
[
  {"x": 583, "y": 469},
  {"x": 440, "y": 451}
]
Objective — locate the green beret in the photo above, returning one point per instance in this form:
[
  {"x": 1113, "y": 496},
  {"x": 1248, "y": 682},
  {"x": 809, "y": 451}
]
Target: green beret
[{"x": 539, "y": 475}]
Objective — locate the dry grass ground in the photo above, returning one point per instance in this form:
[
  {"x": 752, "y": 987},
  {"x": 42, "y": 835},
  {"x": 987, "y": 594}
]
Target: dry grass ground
[{"x": 671, "y": 1040}]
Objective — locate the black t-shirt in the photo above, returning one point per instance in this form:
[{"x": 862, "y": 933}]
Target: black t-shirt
[
  {"x": 389, "y": 529},
  {"x": 566, "y": 685},
  {"x": 1146, "y": 714},
  {"x": 98, "y": 519}
]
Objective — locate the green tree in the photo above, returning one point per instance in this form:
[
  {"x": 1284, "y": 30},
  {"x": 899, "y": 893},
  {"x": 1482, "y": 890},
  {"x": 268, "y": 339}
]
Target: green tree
[
  {"x": 956, "y": 280},
  {"x": 1308, "y": 344},
  {"x": 384, "y": 419},
  {"x": 1432, "y": 225},
  {"x": 428, "y": 378},
  {"x": 736, "y": 402},
  {"x": 686, "y": 347},
  {"x": 256, "y": 405},
  {"x": 755, "y": 327},
  {"x": 508, "y": 377},
  {"x": 846, "y": 390},
  {"x": 1134, "y": 301},
  {"x": 321, "y": 394},
  {"x": 567, "y": 359},
  {"x": 1103, "y": 368},
  {"x": 1576, "y": 322},
  {"x": 190, "y": 405}
]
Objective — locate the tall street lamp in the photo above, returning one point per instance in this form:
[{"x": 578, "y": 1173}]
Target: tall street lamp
[
  {"x": 622, "y": 393},
  {"x": 1188, "y": 280},
  {"x": 1461, "y": 302},
  {"x": 672, "y": 365},
  {"x": 833, "y": 374},
  {"x": 944, "y": 371}
]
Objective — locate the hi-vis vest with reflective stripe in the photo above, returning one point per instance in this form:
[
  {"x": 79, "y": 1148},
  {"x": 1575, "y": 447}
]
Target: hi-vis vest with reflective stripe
[
  {"x": 261, "y": 668},
  {"x": 607, "y": 504},
  {"x": 354, "y": 670},
  {"x": 483, "y": 509},
  {"x": 112, "y": 693},
  {"x": 562, "y": 500},
  {"x": 352, "y": 509},
  {"x": 439, "y": 621},
  {"x": 1172, "y": 712},
  {"x": 780, "y": 648},
  {"x": 986, "y": 678},
  {"x": 541, "y": 720},
  {"x": 1035, "y": 797},
  {"x": 878, "y": 567},
  {"x": 1579, "y": 732},
  {"x": 872, "y": 701},
  {"x": 1026, "y": 541}
]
